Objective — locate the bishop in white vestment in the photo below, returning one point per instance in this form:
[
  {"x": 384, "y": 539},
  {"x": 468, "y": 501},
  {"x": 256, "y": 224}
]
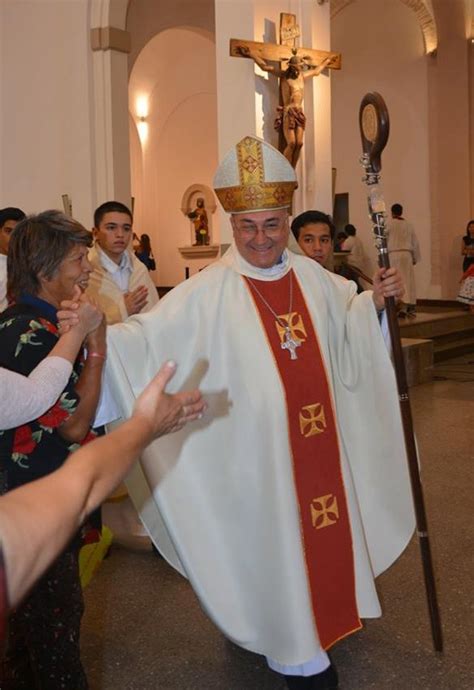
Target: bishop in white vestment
[{"x": 292, "y": 494}]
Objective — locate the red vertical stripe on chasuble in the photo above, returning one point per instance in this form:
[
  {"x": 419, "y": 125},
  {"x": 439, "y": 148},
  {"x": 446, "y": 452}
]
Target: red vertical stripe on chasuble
[{"x": 325, "y": 528}]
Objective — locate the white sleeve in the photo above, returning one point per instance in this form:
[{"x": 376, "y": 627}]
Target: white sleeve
[
  {"x": 23, "y": 398},
  {"x": 107, "y": 410}
]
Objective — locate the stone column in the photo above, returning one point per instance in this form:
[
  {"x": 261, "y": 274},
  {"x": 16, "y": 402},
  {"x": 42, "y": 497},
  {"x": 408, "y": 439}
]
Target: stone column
[
  {"x": 112, "y": 151},
  {"x": 244, "y": 91},
  {"x": 235, "y": 84}
]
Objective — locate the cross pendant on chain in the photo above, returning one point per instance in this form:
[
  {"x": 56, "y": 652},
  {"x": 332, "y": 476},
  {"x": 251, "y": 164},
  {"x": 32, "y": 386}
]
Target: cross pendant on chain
[{"x": 290, "y": 343}]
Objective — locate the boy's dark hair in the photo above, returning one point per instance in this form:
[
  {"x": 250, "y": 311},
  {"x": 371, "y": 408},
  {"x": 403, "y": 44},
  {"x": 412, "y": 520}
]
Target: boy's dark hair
[
  {"x": 350, "y": 230},
  {"x": 312, "y": 217},
  {"x": 110, "y": 207},
  {"x": 11, "y": 213},
  {"x": 397, "y": 209}
]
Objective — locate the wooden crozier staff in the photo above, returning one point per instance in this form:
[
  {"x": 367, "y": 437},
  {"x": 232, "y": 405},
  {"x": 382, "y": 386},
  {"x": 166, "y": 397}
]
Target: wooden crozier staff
[{"x": 374, "y": 129}]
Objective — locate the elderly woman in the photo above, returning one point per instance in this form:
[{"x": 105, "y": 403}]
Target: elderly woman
[{"x": 47, "y": 262}]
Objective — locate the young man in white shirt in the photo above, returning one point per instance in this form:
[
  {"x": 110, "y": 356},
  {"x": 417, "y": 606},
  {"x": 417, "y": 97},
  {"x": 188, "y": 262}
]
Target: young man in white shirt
[
  {"x": 119, "y": 282},
  {"x": 122, "y": 286},
  {"x": 9, "y": 217}
]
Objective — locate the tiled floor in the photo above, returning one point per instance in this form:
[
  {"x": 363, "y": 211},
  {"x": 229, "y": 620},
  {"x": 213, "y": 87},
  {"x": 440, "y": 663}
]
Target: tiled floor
[{"x": 143, "y": 629}]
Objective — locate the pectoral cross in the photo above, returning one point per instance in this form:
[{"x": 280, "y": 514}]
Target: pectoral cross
[
  {"x": 290, "y": 343},
  {"x": 296, "y": 65}
]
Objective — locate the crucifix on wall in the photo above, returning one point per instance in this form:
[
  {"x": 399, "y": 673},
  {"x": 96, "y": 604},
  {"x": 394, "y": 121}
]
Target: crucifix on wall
[{"x": 296, "y": 65}]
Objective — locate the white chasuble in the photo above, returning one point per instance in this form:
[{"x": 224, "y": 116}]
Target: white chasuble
[{"x": 219, "y": 497}]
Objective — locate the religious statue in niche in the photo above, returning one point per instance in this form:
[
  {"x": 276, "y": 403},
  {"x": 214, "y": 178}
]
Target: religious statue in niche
[
  {"x": 295, "y": 67},
  {"x": 201, "y": 223}
]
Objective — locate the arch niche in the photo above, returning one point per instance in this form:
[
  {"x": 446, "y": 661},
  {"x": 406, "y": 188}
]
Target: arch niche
[
  {"x": 156, "y": 115},
  {"x": 423, "y": 11}
]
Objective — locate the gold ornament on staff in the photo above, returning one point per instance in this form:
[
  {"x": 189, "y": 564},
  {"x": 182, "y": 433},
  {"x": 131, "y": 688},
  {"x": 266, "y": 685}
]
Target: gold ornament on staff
[{"x": 374, "y": 129}]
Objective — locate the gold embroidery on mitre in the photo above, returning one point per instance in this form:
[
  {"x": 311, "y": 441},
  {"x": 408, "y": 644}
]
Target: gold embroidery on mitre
[
  {"x": 324, "y": 511},
  {"x": 312, "y": 420},
  {"x": 294, "y": 321},
  {"x": 256, "y": 197},
  {"x": 250, "y": 161}
]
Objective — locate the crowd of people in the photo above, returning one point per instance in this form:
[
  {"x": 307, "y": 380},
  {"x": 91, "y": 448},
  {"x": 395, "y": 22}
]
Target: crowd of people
[{"x": 277, "y": 357}]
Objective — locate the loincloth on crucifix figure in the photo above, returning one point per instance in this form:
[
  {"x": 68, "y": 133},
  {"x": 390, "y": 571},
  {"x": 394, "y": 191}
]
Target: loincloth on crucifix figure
[{"x": 290, "y": 116}]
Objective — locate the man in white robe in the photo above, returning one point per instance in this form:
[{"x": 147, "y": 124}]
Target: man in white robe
[
  {"x": 224, "y": 500},
  {"x": 404, "y": 252}
]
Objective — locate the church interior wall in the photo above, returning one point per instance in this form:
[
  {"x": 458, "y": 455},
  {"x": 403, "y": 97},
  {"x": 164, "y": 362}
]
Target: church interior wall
[
  {"x": 471, "y": 114},
  {"x": 266, "y": 30},
  {"x": 147, "y": 18},
  {"x": 249, "y": 91},
  {"x": 235, "y": 85},
  {"x": 383, "y": 50},
  {"x": 314, "y": 167},
  {"x": 46, "y": 127},
  {"x": 451, "y": 128},
  {"x": 51, "y": 143},
  {"x": 175, "y": 75}
]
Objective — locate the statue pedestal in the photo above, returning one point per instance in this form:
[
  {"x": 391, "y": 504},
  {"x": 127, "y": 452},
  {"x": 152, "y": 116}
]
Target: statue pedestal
[{"x": 200, "y": 251}]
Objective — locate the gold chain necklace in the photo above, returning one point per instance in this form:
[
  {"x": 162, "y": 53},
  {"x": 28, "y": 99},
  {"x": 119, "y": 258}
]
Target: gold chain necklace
[{"x": 289, "y": 342}]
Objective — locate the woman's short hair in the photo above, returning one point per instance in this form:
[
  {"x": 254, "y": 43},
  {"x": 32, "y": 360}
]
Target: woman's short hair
[{"x": 38, "y": 245}]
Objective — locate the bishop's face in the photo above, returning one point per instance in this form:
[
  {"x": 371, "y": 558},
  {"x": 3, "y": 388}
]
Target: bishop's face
[{"x": 261, "y": 236}]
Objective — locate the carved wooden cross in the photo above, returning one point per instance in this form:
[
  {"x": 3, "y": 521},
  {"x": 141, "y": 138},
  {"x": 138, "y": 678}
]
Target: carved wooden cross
[
  {"x": 278, "y": 52},
  {"x": 306, "y": 62}
]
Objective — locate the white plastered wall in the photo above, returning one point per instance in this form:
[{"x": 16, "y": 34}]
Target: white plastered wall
[{"x": 46, "y": 132}]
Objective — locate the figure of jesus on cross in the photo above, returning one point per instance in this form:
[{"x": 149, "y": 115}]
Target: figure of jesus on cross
[{"x": 296, "y": 65}]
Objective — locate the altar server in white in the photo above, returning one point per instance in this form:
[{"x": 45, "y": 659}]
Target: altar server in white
[{"x": 292, "y": 494}]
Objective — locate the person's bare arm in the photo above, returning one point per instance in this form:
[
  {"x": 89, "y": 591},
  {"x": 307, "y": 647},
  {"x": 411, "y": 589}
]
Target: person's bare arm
[
  {"x": 76, "y": 427},
  {"x": 246, "y": 52},
  {"x": 89, "y": 317},
  {"x": 317, "y": 69},
  {"x": 64, "y": 498}
]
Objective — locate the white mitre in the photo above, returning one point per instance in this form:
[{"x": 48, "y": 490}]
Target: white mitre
[{"x": 254, "y": 176}]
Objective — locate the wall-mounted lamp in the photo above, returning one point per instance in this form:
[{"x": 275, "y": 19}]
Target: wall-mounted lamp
[
  {"x": 142, "y": 127},
  {"x": 141, "y": 110},
  {"x": 141, "y": 107}
]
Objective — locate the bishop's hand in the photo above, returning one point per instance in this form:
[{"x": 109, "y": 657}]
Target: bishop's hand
[{"x": 387, "y": 283}]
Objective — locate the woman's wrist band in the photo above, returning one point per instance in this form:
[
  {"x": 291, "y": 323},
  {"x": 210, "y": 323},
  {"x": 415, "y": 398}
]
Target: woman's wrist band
[{"x": 96, "y": 354}]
